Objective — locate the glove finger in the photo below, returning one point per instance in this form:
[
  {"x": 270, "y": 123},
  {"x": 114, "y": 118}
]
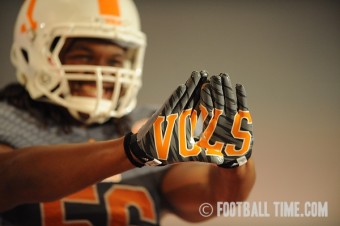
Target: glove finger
[
  {"x": 174, "y": 103},
  {"x": 206, "y": 99},
  {"x": 195, "y": 96},
  {"x": 173, "y": 100},
  {"x": 217, "y": 92},
  {"x": 241, "y": 98},
  {"x": 166, "y": 109},
  {"x": 229, "y": 95},
  {"x": 190, "y": 97},
  {"x": 204, "y": 80},
  {"x": 206, "y": 103}
]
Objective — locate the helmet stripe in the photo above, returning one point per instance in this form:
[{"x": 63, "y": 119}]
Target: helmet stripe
[
  {"x": 29, "y": 15},
  {"x": 109, "y": 8}
]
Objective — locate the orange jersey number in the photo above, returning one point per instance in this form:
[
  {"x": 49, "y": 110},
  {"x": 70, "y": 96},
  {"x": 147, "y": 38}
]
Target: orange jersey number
[{"x": 87, "y": 207}]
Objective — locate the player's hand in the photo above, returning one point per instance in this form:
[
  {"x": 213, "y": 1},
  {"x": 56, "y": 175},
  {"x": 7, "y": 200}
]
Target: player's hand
[
  {"x": 226, "y": 138},
  {"x": 167, "y": 137},
  {"x": 227, "y": 122}
]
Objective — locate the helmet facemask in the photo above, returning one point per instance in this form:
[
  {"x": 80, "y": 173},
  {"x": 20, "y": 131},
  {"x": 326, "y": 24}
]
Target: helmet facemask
[{"x": 94, "y": 93}]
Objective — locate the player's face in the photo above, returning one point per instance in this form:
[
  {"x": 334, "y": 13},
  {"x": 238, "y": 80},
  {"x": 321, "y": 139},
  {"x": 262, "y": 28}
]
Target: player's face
[{"x": 87, "y": 51}]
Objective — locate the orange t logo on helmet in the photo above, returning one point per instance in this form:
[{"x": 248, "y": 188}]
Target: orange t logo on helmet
[
  {"x": 106, "y": 8},
  {"x": 29, "y": 13},
  {"x": 109, "y": 8}
]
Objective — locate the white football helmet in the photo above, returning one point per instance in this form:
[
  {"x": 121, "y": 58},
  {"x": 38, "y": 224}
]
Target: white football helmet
[{"x": 43, "y": 26}]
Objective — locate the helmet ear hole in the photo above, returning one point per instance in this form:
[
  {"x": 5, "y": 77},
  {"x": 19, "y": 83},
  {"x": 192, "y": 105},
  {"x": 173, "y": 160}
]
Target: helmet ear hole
[
  {"x": 54, "y": 43},
  {"x": 25, "y": 55}
]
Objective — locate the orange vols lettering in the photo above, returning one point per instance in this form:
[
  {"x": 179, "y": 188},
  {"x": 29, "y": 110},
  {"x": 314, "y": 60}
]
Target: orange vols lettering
[
  {"x": 238, "y": 133},
  {"x": 183, "y": 146},
  {"x": 162, "y": 142},
  {"x": 216, "y": 148}
]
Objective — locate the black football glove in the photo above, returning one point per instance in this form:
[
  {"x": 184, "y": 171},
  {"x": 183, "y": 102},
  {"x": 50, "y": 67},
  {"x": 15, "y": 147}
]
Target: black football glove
[
  {"x": 228, "y": 129},
  {"x": 168, "y": 136}
]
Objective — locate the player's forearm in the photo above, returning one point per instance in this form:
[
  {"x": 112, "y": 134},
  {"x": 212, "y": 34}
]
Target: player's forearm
[
  {"x": 198, "y": 183},
  {"x": 46, "y": 173},
  {"x": 233, "y": 184}
]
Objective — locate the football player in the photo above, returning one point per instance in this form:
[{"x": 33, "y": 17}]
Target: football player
[{"x": 75, "y": 149}]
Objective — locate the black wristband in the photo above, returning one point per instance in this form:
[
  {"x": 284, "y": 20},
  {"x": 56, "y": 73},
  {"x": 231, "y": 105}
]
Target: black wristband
[{"x": 127, "y": 141}]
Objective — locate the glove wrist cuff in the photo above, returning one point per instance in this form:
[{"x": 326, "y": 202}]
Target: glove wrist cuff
[
  {"x": 237, "y": 162},
  {"x": 127, "y": 142},
  {"x": 135, "y": 154}
]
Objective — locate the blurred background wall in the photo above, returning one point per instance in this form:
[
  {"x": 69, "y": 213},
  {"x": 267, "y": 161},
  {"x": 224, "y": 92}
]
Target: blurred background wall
[{"x": 286, "y": 53}]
